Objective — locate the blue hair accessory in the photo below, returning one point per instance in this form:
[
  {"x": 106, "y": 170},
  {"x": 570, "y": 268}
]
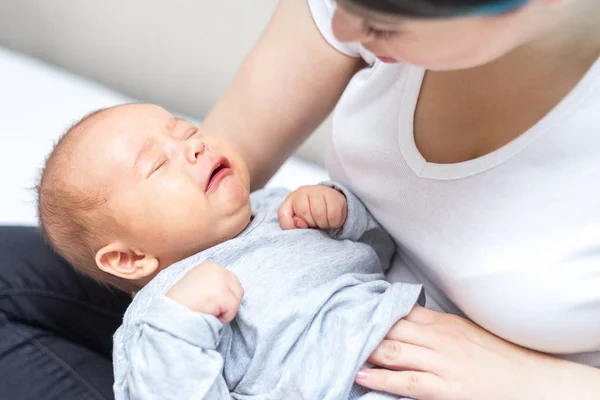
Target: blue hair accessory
[
  {"x": 497, "y": 7},
  {"x": 439, "y": 8}
]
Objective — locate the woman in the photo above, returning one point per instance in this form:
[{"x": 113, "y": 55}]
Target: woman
[
  {"x": 483, "y": 162},
  {"x": 468, "y": 128}
]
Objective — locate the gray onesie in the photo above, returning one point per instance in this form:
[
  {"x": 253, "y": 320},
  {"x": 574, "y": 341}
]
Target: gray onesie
[{"x": 316, "y": 304}]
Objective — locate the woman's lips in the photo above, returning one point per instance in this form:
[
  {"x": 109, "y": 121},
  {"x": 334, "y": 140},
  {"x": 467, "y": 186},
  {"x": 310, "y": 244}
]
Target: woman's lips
[{"x": 387, "y": 60}]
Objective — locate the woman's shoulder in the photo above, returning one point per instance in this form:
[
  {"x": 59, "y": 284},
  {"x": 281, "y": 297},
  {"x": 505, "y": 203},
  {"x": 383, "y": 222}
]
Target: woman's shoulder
[{"x": 322, "y": 13}]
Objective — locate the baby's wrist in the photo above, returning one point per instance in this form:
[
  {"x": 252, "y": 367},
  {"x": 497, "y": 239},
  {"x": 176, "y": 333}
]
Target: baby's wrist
[{"x": 179, "y": 297}]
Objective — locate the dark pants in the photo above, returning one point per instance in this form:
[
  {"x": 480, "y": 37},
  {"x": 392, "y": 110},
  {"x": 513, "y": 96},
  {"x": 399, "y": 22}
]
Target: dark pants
[{"x": 56, "y": 325}]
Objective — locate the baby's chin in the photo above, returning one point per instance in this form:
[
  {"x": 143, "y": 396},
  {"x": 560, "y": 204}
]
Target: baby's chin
[{"x": 233, "y": 191}]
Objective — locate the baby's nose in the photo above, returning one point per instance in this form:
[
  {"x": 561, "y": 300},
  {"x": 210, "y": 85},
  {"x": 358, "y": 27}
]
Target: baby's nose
[{"x": 195, "y": 150}]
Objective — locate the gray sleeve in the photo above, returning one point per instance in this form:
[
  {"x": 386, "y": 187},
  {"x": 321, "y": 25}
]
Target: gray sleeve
[
  {"x": 172, "y": 355},
  {"x": 361, "y": 226},
  {"x": 358, "y": 219}
]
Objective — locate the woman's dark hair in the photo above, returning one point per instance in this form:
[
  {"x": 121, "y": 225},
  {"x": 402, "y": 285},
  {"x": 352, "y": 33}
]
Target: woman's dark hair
[{"x": 438, "y": 8}]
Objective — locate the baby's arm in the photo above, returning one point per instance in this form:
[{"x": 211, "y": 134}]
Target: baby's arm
[
  {"x": 327, "y": 206},
  {"x": 332, "y": 207},
  {"x": 172, "y": 354},
  {"x": 359, "y": 220},
  {"x": 361, "y": 226}
]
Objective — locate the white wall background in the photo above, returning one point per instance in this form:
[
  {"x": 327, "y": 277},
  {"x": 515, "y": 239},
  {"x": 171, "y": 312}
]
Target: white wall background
[{"x": 181, "y": 54}]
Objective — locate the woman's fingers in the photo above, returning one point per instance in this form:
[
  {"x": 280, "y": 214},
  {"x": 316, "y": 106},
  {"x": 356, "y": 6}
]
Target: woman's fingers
[
  {"x": 409, "y": 332},
  {"x": 395, "y": 355},
  {"x": 422, "y": 315},
  {"x": 418, "y": 385}
]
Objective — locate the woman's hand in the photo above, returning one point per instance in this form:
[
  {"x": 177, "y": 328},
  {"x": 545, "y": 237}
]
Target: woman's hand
[{"x": 429, "y": 355}]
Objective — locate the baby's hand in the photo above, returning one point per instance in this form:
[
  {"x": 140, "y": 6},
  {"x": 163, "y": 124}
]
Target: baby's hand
[
  {"x": 211, "y": 289},
  {"x": 313, "y": 207}
]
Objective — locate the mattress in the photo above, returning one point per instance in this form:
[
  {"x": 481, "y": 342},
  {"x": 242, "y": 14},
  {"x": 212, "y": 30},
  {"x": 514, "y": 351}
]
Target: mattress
[{"x": 38, "y": 102}]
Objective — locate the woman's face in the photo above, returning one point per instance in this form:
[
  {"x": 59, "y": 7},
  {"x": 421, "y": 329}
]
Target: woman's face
[{"x": 438, "y": 44}]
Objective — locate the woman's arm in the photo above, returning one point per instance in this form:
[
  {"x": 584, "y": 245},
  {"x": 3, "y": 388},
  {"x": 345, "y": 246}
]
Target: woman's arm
[
  {"x": 429, "y": 355},
  {"x": 286, "y": 87}
]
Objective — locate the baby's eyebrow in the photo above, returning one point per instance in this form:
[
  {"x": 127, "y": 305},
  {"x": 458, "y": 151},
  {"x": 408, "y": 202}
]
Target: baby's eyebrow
[{"x": 171, "y": 124}]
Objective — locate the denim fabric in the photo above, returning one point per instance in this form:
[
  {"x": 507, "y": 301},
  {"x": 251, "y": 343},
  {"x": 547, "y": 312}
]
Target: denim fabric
[{"x": 56, "y": 325}]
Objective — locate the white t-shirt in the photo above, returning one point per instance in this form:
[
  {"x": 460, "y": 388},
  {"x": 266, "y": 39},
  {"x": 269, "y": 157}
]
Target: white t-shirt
[{"x": 511, "y": 239}]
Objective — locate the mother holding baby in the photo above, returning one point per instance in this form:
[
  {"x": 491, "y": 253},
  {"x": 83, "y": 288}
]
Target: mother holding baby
[{"x": 471, "y": 130}]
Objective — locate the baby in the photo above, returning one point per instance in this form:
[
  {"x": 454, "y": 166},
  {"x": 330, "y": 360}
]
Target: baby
[{"x": 149, "y": 203}]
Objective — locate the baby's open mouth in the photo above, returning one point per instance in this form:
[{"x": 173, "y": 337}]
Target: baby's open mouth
[{"x": 219, "y": 170}]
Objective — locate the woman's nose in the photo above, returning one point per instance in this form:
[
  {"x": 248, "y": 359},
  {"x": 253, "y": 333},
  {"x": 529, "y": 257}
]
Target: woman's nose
[{"x": 347, "y": 27}]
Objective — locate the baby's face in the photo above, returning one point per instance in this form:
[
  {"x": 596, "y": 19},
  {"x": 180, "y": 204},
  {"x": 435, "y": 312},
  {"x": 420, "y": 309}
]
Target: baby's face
[{"x": 173, "y": 189}]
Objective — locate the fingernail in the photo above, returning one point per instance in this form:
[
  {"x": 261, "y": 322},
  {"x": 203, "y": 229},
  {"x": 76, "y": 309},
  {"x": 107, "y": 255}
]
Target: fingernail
[{"x": 363, "y": 374}]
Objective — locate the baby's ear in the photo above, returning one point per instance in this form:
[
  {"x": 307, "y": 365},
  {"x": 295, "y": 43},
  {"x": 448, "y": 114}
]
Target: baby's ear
[{"x": 120, "y": 259}]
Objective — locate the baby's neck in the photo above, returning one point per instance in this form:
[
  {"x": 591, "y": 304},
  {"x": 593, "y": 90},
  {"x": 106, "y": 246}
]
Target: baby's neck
[{"x": 166, "y": 261}]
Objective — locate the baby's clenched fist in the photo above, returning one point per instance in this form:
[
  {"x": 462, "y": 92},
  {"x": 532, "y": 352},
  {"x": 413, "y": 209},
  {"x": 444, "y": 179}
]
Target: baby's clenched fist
[
  {"x": 210, "y": 289},
  {"x": 315, "y": 206}
]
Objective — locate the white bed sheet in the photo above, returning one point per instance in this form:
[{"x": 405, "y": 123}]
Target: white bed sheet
[{"x": 38, "y": 102}]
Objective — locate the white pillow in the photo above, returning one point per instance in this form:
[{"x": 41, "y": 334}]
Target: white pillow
[{"x": 38, "y": 102}]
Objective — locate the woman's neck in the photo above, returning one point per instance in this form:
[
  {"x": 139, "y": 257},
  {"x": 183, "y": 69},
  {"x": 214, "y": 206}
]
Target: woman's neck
[{"x": 568, "y": 44}]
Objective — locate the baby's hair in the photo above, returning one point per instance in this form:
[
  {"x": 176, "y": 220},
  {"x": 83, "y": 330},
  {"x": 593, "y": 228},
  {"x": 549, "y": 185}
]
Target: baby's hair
[{"x": 74, "y": 220}]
